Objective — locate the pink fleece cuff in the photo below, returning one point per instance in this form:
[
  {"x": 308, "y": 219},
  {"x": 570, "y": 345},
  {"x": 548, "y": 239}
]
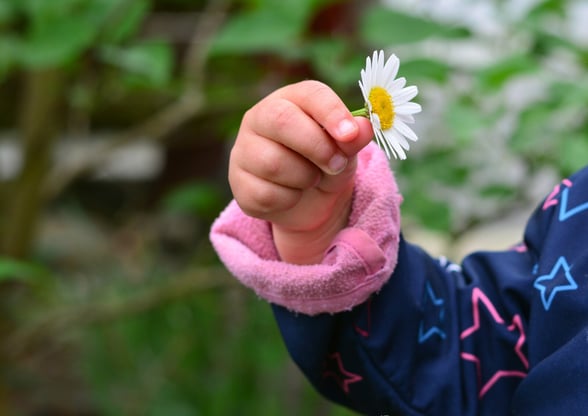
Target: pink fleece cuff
[{"x": 359, "y": 261}]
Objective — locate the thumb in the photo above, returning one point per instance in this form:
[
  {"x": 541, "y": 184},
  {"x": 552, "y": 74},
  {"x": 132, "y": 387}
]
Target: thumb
[
  {"x": 363, "y": 137},
  {"x": 350, "y": 147}
]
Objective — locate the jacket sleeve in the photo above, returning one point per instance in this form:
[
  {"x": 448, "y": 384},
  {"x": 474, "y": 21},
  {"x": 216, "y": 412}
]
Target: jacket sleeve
[
  {"x": 359, "y": 261},
  {"x": 383, "y": 328},
  {"x": 503, "y": 333}
]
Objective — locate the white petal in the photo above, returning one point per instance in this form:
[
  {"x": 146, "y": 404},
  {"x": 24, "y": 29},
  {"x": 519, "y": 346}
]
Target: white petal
[
  {"x": 375, "y": 119},
  {"x": 379, "y": 58},
  {"x": 377, "y": 68},
  {"x": 383, "y": 143},
  {"x": 370, "y": 68},
  {"x": 363, "y": 77},
  {"x": 396, "y": 137},
  {"x": 408, "y": 108},
  {"x": 366, "y": 74},
  {"x": 407, "y": 118},
  {"x": 396, "y": 85},
  {"x": 405, "y": 94},
  {"x": 405, "y": 130},
  {"x": 399, "y": 150},
  {"x": 363, "y": 92},
  {"x": 391, "y": 68},
  {"x": 394, "y": 142}
]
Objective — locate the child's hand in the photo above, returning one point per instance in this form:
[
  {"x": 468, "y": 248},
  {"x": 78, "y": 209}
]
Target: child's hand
[{"x": 293, "y": 164}]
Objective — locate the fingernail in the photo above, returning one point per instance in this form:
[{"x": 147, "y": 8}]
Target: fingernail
[
  {"x": 337, "y": 164},
  {"x": 346, "y": 128}
]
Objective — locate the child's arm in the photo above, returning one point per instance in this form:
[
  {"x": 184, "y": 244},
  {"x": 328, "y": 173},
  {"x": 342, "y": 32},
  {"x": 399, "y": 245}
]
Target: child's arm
[{"x": 504, "y": 332}]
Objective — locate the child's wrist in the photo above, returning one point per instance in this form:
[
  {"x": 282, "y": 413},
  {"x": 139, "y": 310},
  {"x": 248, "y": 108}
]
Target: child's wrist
[{"x": 309, "y": 246}]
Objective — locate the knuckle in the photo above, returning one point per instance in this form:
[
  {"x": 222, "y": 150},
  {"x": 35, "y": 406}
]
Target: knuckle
[
  {"x": 272, "y": 166},
  {"x": 315, "y": 87},
  {"x": 284, "y": 113},
  {"x": 311, "y": 179},
  {"x": 266, "y": 200},
  {"x": 272, "y": 199},
  {"x": 322, "y": 92}
]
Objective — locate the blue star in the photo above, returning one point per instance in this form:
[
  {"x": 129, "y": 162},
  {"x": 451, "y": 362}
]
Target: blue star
[
  {"x": 548, "y": 292},
  {"x": 437, "y": 304},
  {"x": 564, "y": 213}
]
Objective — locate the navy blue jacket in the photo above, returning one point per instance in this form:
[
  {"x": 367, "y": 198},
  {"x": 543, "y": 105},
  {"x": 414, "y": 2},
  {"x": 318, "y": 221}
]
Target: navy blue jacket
[{"x": 502, "y": 333}]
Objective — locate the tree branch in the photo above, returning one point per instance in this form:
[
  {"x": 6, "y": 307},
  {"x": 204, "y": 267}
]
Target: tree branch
[
  {"x": 40, "y": 106},
  {"x": 61, "y": 322},
  {"x": 158, "y": 126}
]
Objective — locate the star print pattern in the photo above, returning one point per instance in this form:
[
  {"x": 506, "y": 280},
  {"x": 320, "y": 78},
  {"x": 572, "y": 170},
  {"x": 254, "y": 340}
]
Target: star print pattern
[
  {"x": 334, "y": 369},
  {"x": 364, "y": 327},
  {"x": 516, "y": 327},
  {"x": 566, "y": 209},
  {"x": 434, "y": 310},
  {"x": 558, "y": 280},
  {"x": 566, "y": 212},
  {"x": 551, "y": 199}
]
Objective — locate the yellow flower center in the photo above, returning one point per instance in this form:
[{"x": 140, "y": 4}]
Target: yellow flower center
[{"x": 383, "y": 106}]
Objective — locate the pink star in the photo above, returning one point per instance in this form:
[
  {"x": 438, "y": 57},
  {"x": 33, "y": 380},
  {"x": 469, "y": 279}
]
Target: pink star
[
  {"x": 343, "y": 377},
  {"x": 477, "y": 297},
  {"x": 551, "y": 199},
  {"x": 365, "y": 332},
  {"x": 520, "y": 248}
]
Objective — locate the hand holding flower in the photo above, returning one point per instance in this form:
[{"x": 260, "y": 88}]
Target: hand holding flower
[{"x": 293, "y": 164}]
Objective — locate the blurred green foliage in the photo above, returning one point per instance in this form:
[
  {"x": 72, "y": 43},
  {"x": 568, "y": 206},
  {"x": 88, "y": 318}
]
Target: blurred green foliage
[
  {"x": 41, "y": 34},
  {"x": 14, "y": 269},
  {"x": 203, "y": 200},
  {"x": 137, "y": 314}
]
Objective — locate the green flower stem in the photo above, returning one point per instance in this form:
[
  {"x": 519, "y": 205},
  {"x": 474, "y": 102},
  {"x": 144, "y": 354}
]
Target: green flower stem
[{"x": 362, "y": 112}]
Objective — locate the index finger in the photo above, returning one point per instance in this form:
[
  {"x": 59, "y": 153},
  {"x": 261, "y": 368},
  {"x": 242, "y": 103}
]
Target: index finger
[{"x": 321, "y": 103}]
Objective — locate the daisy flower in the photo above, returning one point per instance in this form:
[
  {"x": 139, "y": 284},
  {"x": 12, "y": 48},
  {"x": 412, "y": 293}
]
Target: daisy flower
[{"x": 387, "y": 104}]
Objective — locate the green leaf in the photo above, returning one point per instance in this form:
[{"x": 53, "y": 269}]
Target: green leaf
[
  {"x": 56, "y": 44},
  {"x": 573, "y": 153},
  {"x": 201, "y": 199},
  {"x": 262, "y": 30},
  {"x": 43, "y": 10},
  {"x": 332, "y": 61},
  {"x": 381, "y": 26},
  {"x": 495, "y": 76},
  {"x": 552, "y": 41},
  {"x": 464, "y": 120},
  {"x": 533, "y": 137},
  {"x": 151, "y": 60},
  {"x": 40, "y": 9},
  {"x": 7, "y": 12},
  {"x": 272, "y": 26},
  {"x": 572, "y": 92},
  {"x": 299, "y": 9},
  {"x": 547, "y": 7},
  {"x": 60, "y": 31},
  {"x": 128, "y": 21},
  {"x": 11, "y": 269},
  {"x": 429, "y": 212},
  {"x": 424, "y": 68},
  {"x": 9, "y": 50},
  {"x": 498, "y": 191}
]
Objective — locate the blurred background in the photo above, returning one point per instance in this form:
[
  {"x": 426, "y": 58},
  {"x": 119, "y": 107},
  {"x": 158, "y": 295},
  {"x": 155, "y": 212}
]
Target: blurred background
[{"x": 116, "y": 118}]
